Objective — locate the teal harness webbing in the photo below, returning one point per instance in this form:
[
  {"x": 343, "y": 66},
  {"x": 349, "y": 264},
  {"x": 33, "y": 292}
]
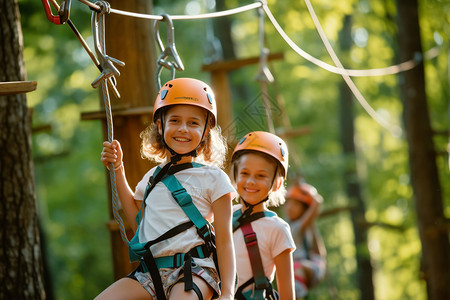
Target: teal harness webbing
[
  {"x": 263, "y": 287},
  {"x": 141, "y": 251}
]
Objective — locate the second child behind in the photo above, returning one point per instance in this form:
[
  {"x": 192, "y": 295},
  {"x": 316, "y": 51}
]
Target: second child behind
[{"x": 263, "y": 241}]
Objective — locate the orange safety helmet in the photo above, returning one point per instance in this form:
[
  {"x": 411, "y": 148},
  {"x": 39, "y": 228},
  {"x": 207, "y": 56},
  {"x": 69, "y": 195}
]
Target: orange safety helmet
[
  {"x": 186, "y": 91},
  {"x": 267, "y": 143},
  {"x": 302, "y": 192}
]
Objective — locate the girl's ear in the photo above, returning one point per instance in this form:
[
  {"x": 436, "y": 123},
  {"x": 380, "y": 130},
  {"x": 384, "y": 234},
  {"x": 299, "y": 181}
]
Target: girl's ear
[
  {"x": 158, "y": 123},
  {"x": 278, "y": 183}
]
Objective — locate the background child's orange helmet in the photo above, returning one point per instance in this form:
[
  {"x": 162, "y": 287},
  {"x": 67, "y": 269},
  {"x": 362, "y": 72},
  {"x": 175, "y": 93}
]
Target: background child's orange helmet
[
  {"x": 267, "y": 143},
  {"x": 186, "y": 91},
  {"x": 302, "y": 192}
]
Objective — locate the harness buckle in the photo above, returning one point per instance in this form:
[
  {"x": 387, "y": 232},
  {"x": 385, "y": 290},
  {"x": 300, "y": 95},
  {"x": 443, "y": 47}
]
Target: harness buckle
[
  {"x": 250, "y": 239},
  {"x": 181, "y": 196},
  {"x": 178, "y": 259},
  {"x": 208, "y": 236},
  {"x": 204, "y": 231}
]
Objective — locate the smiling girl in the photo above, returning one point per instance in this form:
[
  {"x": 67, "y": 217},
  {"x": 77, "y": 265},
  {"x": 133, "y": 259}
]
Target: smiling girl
[
  {"x": 179, "y": 199},
  {"x": 263, "y": 241}
]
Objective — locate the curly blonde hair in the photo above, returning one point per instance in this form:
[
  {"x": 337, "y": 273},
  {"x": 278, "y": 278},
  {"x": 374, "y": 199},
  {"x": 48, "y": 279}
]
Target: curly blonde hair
[
  {"x": 276, "y": 198},
  {"x": 212, "y": 149}
]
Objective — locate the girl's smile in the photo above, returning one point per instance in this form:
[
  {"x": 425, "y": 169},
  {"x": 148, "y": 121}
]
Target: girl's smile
[
  {"x": 183, "y": 127},
  {"x": 255, "y": 176}
]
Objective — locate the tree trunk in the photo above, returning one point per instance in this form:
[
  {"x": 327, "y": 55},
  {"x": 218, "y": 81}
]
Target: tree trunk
[
  {"x": 364, "y": 267},
  {"x": 422, "y": 157},
  {"x": 21, "y": 270}
]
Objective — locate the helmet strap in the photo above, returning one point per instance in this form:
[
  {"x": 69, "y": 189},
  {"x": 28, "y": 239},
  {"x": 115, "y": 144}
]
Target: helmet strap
[{"x": 249, "y": 207}]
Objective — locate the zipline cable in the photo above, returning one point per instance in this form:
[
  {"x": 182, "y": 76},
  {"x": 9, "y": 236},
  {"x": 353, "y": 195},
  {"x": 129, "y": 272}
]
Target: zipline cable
[
  {"x": 395, "y": 130},
  {"x": 390, "y": 70},
  {"x": 338, "y": 69},
  {"x": 224, "y": 13}
]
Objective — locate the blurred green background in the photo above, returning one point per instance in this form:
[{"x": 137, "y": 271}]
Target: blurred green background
[{"x": 71, "y": 182}]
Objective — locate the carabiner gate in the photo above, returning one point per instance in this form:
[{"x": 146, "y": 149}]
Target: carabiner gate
[
  {"x": 63, "y": 11},
  {"x": 169, "y": 50}
]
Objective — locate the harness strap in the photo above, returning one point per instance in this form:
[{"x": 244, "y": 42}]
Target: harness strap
[
  {"x": 195, "y": 288},
  {"x": 261, "y": 281},
  {"x": 239, "y": 295},
  {"x": 179, "y": 259},
  {"x": 240, "y": 219},
  {"x": 149, "y": 265},
  {"x": 184, "y": 200},
  {"x": 136, "y": 249}
]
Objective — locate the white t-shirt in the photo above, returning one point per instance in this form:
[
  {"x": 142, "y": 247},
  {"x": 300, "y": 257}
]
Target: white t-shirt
[
  {"x": 274, "y": 237},
  {"x": 205, "y": 185}
]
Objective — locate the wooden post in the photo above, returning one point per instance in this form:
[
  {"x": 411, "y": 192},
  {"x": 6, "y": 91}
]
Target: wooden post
[
  {"x": 131, "y": 41},
  {"x": 221, "y": 87}
]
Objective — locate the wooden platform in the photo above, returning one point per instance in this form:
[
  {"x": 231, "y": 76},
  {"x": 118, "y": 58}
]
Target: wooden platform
[{"x": 17, "y": 87}]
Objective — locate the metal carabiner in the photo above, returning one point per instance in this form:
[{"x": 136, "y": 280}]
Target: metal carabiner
[
  {"x": 63, "y": 11},
  {"x": 158, "y": 73},
  {"x": 106, "y": 62},
  {"x": 169, "y": 50},
  {"x": 48, "y": 11}
]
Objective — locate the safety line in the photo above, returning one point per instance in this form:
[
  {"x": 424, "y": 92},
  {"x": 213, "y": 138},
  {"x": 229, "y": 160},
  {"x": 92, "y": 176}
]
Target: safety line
[
  {"x": 98, "y": 28},
  {"x": 338, "y": 69},
  {"x": 224, "y": 13},
  {"x": 395, "y": 130},
  {"x": 390, "y": 70}
]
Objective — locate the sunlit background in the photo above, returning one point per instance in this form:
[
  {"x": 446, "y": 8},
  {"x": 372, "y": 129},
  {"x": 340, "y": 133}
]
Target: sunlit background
[{"x": 71, "y": 182}]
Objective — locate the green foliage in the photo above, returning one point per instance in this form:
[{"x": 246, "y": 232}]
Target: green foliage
[{"x": 71, "y": 183}]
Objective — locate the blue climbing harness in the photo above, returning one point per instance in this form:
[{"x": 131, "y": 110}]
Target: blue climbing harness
[{"x": 141, "y": 251}]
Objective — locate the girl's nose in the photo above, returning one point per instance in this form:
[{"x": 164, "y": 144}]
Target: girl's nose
[
  {"x": 251, "y": 179},
  {"x": 182, "y": 127}
]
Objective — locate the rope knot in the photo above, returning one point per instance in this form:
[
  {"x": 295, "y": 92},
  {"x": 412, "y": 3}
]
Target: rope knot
[{"x": 105, "y": 7}]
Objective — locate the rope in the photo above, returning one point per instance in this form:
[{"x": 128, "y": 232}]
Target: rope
[
  {"x": 395, "y": 130},
  {"x": 107, "y": 74},
  {"x": 390, "y": 70},
  {"x": 179, "y": 17},
  {"x": 264, "y": 76},
  {"x": 338, "y": 69}
]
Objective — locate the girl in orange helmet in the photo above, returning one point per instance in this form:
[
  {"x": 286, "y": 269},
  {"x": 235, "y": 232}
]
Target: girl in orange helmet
[
  {"x": 263, "y": 241},
  {"x": 302, "y": 208},
  {"x": 179, "y": 199}
]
